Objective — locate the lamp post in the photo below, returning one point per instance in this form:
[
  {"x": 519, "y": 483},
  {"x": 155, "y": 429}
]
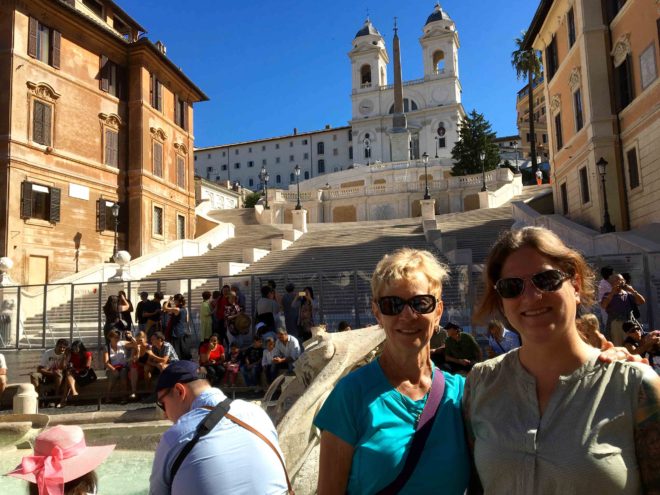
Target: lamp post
[
  {"x": 266, "y": 177},
  {"x": 425, "y": 159},
  {"x": 482, "y": 156},
  {"x": 297, "y": 172},
  {"x": 436, "y": 146},
  {"x": 602, "y": 170},
  {"x": 515, "y": 149},
  {"x": 115, "y": 214},
  {"x": 263, "y": 176}
]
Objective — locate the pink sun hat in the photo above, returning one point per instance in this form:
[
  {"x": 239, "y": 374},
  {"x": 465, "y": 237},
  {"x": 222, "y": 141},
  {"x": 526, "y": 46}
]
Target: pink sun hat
[{"x": 60, "y": 455}]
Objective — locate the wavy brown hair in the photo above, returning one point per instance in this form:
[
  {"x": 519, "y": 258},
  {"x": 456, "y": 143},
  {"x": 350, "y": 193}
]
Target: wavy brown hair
[{"x": 548, "y": 244}]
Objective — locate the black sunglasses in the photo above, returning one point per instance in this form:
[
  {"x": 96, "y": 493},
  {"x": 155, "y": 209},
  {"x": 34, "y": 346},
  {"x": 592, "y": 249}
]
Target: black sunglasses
[
  {"x": 547, "y": 281},
  {"x": 393, "y": 305},
  {"x": 159, "y": 402}
]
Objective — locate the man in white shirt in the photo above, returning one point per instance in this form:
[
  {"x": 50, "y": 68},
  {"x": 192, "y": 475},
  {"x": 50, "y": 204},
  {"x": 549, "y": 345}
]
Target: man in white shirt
[
  {"x": 52, "y": 366},
  {"x": 287, "y": 350}
]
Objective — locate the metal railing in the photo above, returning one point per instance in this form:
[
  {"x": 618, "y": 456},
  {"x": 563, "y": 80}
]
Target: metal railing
[{"x": 28, "y": 321}]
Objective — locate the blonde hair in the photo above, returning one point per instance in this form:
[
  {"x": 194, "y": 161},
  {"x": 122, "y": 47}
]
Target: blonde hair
[
  {"x": 404, "y": 264},
  {"x": 548, "y": 244}
]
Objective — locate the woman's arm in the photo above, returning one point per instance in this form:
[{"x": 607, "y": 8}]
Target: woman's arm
[
  {"x": 639, "y": 299},
  {"x": 106, "y": 361},
  {"x": 647, "y": 433},
  {"x": 88, "y": 361},
  {"x": 334, "y": 465}
]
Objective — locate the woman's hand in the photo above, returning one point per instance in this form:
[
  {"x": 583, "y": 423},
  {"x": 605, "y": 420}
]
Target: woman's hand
[{"x": 609, "y": 354}]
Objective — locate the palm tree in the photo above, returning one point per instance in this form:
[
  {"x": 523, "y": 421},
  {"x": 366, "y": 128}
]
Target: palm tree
[{"x": 527, "y": 64}]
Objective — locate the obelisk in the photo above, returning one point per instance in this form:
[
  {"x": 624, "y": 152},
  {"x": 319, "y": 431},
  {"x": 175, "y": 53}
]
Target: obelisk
[{"x": 399, "y": 134}]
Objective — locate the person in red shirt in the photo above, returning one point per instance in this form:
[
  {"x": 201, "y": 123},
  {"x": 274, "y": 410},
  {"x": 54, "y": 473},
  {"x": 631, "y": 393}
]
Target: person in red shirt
[
  {"x": 212, "y": 357},
  {"x": 220, "y": 304},
  {"x": 79, "y": 370}
]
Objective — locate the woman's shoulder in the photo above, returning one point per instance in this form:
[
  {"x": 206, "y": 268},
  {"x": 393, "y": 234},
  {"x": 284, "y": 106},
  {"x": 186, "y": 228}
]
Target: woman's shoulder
[
  {"x": 365, "y": 376},
  {"x": 491, "y": 368}
]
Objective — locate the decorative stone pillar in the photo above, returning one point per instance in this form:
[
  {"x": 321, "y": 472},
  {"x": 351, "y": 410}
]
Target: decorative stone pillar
[
  {"x": 26, "y": 400},
  {"x": 122, "y": 258},
  {"x": 428, "y": 209},
  {"x": 300, "y": 220}
]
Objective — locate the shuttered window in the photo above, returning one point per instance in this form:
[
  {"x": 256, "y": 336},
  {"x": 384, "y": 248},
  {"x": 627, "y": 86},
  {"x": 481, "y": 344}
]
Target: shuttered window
[
  {"x": 42, "y": 119},
  {"x": 158, "y": 159},
  {"x": 584, "y": 185},
  {"x": 105, "y": 219},
  {"x": 181, "y": 112},
  {"x": 633, "y": 169},
  {"x": 111, "y": 77},
  {"x": 44, "y": 43},
  {"x": 41, "y": 202},
  {"x": 111, "y": 148},
  {"x": 180, "y": 171},
  {"x": 180, "y": 227},
  {"x": 156, "y": 93},
  {"x": 157, "y": 220}
]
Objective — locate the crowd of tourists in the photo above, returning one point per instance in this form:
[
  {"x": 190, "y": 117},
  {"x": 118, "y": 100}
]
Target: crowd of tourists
[{"x": 555, "y": 409}]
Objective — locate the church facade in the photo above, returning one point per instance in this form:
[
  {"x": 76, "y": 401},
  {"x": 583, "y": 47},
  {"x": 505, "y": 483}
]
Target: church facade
[{"x": 432, "y": 105}]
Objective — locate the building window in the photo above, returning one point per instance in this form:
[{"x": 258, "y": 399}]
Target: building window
[
  {"x": 111, "y": 80},
  {"x": 263, "y": 147},
  {"x": 42, "y": 123},
  {"x": 559, "y": 141},
  {"x": 155, "y": 93},
  {"x": 236, "y": 152},
  {"x": 552, "y": 59},
  {"x": 306, "y": 156},
  {"x": 180, "y": 227},
  {"x": 157, "y": 159},
  {"x": 277, "y": 159},
  {"x": 584, "y": 185},
  {"x": 95, "y": 7},
  {"x": 334, "y": 137},
  {"x": 264, "y": 162},
  {"x": 545, "y": 138},
  {"x": 613, "y": 7},
  {"x": 278, "y": 179},
  {"x": 181, "y": 112},
  {"x": 528, "y": 137},
  {"x": 44, "y": 43},
  {"x": 304, "y": 142},
  {"x": 180, "y": 171},
  {"x": 442, "y": 142},
  {"x": 564, "y": 199},
  {"x": 250, "y": 164},
  {"x": 623, "y": 85},
  {"x": 290, "y": 144},
  {"x": 306, "y": 175},
  {"x": 321, "y": 166},
  {"x": 111, "y": 146},
  {"x": 250, "y": 149},
  {"x": 320, "y": 148},
  {"x": 277, "y": 146},
  {"x": 157, "y": 221},
  {"x": 291, "y": 158},
  {"x": 408, "y": 106},
  {"x": 570, "y": 21},
  {"x": 251, "y": 182},
  {"x": 350, "y": 152},
  {"x": 224, "y": 153},
  {"x": 335, "y": 151},
  {"x": 292, "y": 177},
  {"x": 633, "y": 168},
  {"x": 223, "y": 168},
  {"x": 42, "y": 202},
  {"x": 104, "y": 216},
  {"x": 237, "y": 166},
  {"x": 577, "y": 107}
]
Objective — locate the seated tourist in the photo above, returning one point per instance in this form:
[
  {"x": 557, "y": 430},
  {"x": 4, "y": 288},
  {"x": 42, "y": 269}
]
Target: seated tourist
[
  {"x": 62, "y": 463},
  {"x": 232, "y": 364},
  {"x": 212, "y": 358},
  {"x": 287, "y": 350},
  {"x": 161, "y": 354},
  {"x": 79, "y": 372},
  {"x": 251, "y": 368},
  {"x": 116, "y": 358},
  {"x": 500, "y": 340},
  {"x": 267, "y": 360},
  {"x": 461, "y": 350},
  {"x": 638, "y": 342},
  {"x": 52, "y": 366},
  {"x": 138, "y": 360},
  {"x": 343, "y": 326}
]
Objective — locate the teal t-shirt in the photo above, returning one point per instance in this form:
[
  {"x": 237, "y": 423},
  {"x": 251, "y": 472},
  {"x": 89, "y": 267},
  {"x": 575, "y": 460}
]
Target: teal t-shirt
[{"x": 365, "y": 411}]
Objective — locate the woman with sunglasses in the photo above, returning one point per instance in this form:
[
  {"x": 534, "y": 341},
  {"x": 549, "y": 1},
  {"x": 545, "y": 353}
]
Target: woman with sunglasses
[
  {"x": 370, "y": 418},
  {"x": 549, "y": 417}
]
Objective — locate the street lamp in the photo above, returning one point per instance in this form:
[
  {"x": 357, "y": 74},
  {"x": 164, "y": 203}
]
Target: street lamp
[
  {"x": 425, "y": 159},
  {"x": 297, "y": 171},
  {"x": 482, "y": 156},
  {"x": 115, "y": 214},
  {"x": 266, "y": 177},
  {"x": 515, "y": 149},
  {"x": 436, "y": 146},
  {"x": 602, "y": 170}
]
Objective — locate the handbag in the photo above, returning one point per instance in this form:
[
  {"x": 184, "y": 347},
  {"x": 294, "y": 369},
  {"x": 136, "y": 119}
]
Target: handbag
[
  {"x": 86, "y": 376},
  {"x": 422, "y": 432},
  {"x": 212, "y": 419}
]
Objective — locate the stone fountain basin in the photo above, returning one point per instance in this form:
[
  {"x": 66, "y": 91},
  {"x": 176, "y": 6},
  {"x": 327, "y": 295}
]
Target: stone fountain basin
[{"x": 16, "y": 429}]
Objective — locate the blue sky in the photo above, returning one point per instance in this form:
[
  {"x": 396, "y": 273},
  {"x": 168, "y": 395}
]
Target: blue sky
[{"x": 270, "y": 66}]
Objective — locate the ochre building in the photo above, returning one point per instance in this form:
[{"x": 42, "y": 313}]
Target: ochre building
[
  {"x": 92, "y": 114},
  {"x": 602, "y": 99}
]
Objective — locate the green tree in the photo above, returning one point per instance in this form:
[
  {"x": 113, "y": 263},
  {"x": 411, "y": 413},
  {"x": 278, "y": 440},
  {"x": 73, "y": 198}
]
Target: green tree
[
  {"x": 474, "y": 137},
  {"x": 527, "y": 64},
  {"x": 251, "y": 200}
]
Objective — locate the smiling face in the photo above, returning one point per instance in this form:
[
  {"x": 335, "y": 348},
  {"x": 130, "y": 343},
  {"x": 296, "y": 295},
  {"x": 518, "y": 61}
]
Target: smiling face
[
  {"x": 408, "y": 331},
  {"x": 539, "y": 316}
]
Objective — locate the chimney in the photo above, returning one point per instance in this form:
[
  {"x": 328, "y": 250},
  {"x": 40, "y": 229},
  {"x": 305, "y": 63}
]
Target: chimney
[
  {"x": 161, "y": 47},
  {"x": 295, "y": 131},
  {"x": 327, "y": 126}
]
